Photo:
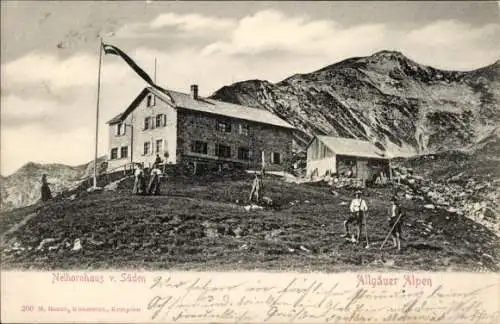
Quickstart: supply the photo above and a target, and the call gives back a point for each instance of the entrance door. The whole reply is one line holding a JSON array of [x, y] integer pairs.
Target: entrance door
[[362, 169]]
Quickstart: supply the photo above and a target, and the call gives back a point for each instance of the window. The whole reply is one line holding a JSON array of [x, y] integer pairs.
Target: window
[[224, 126], [124, 152], [243, 129], [147, 123], [159, 146], [120, 129], [147, 148], [275, 158], [114, 153], [150, 101], [223, 151], [161, 120], [244, 154], [199, 147]]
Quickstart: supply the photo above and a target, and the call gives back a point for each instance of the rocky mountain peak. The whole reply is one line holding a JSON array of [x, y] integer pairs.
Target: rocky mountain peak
[[389, 55], [387, 98]]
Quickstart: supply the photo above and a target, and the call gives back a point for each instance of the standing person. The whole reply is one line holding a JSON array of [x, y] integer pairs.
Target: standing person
[[256, 188], [357, 209], [45, 189], [140, 181], [395, 219], [154, 182], [158, 160]]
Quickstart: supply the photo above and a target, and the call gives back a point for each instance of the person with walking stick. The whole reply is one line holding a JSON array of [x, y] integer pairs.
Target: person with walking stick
[[395, 219], [256, 189]]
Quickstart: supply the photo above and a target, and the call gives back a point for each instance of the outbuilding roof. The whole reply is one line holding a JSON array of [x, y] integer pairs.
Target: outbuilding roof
[[206, 105], [352, 147]]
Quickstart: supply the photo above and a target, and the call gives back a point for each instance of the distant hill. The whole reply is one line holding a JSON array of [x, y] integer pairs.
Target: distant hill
[[407, 107], [22, 188]]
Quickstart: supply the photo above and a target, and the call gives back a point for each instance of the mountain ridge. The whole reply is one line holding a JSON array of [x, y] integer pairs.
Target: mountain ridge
[[22, 188], [386, 98]]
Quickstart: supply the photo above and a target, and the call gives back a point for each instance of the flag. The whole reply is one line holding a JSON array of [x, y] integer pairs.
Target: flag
[[113, 50]]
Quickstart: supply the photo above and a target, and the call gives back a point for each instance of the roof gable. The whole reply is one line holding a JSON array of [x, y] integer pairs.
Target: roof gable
[[211, 106], [351, 147], [206, 105], [121, 117]]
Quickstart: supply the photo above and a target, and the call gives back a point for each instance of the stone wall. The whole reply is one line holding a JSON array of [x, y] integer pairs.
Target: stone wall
[[195, 126]]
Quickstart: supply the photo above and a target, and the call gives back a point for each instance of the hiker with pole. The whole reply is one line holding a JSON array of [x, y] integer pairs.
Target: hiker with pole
[[256, 188], [395, 219], [357, 209]]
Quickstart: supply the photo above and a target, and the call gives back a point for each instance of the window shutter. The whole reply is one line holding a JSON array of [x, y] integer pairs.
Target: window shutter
[[164, 120]]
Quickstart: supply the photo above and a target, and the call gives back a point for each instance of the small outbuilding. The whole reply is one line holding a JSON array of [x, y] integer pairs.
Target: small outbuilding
[[345, 157]]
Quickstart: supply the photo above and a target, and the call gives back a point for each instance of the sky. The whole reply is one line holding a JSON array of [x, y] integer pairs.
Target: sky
[[50, 55]]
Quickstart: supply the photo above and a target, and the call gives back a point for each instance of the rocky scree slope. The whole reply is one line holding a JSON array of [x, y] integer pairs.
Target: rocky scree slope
[[386, 98], [460, 182]]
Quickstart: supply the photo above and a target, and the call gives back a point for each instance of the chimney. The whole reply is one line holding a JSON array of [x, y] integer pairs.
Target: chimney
[[194, 91]]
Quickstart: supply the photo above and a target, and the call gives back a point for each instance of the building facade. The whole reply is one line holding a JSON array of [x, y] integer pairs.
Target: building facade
[[187, 128], [327, 155]]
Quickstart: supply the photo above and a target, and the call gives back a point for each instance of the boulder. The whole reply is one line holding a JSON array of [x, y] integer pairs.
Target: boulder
[[268, 201], [45, 242], [253, 207], [77, 246]]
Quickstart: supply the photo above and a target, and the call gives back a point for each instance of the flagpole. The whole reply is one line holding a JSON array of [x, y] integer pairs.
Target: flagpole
[[97, 113], [155, 71]]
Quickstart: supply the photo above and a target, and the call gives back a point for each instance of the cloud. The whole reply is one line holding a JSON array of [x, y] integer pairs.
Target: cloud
[[17, 110], [271, 30], [30, 143], [185, 25], [450, 33], [443, 44], [57, 73], [452, 45], [191, 22]]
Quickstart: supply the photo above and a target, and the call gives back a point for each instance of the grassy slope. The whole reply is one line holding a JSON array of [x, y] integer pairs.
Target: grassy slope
[[170, 231]]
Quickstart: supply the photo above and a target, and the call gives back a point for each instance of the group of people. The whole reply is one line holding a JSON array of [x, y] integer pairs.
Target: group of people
[[357, 217], [358, 208], [153, 188]]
